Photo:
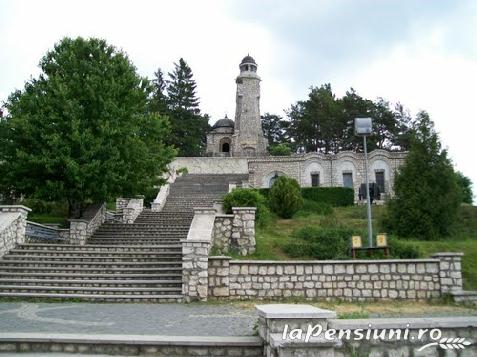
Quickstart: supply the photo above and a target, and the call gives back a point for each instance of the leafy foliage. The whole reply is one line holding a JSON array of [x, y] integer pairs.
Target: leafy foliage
[[81, 131], [244, 197], [335, 196], [285, 197], [427, 196], [320, 243], [280, 150], [312, 207], [465, 186], [325, 123], [275, 129]]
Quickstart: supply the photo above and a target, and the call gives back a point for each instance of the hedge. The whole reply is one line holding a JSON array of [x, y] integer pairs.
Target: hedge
[[334, 196]]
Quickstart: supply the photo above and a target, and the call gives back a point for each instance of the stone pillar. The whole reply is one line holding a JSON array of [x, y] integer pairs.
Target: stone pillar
[[219, 270], [275, 321], [243, 230], [195, 255], [12, 230], [78, 231], [222, 232], [450, 271]]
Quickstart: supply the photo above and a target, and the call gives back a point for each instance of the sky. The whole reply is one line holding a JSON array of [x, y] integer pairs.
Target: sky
[[420, 53]]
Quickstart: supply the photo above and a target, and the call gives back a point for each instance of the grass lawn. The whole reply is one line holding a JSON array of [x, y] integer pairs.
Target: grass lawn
[[362, 310], [272, 238]]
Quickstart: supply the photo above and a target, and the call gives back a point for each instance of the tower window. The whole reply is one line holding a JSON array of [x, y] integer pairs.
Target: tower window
[[225, 147]]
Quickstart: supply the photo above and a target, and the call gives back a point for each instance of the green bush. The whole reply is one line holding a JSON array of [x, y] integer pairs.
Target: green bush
[[403, 250], [320, 243], [285, 197], [244, 197], [280, 150], [335, 196], [313, 207]]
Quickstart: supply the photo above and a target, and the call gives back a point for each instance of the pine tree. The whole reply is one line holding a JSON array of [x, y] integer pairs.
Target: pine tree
[[427, 196], [189, 126], [158, 101]]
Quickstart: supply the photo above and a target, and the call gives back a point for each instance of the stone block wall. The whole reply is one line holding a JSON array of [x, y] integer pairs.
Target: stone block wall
[[12, 226], [222, 232], [218, 276], [83, 228], [235, 231], [450, 267], [347, 279]]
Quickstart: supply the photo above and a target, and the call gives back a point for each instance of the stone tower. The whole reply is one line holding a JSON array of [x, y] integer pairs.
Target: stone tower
[[248, 139]]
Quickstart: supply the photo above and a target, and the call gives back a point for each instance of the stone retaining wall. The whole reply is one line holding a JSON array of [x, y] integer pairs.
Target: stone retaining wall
[[345, 279]]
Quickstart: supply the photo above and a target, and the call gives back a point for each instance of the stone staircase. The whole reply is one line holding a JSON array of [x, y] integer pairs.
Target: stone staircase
[[120, 262]]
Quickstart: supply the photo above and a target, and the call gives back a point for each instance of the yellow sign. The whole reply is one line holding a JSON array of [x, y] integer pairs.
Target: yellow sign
[[356, 241], [381, 240]]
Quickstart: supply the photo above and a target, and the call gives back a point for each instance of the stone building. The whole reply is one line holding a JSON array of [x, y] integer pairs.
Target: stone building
[[244, 137], [239, 147]]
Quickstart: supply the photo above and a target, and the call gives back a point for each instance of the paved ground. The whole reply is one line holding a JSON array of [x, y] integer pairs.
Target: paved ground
[[139, 319]]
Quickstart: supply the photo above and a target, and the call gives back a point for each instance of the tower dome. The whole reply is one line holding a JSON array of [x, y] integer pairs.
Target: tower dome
[[248, 64]]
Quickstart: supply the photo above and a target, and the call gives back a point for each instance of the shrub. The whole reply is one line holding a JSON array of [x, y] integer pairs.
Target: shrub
[[320, 243], [313, 207], [244, 197], [285, 197], [335, 196], [280, 150], [403, 250]]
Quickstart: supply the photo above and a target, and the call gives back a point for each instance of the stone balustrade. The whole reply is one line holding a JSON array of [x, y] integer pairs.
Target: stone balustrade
[[13, 220], [83, 228]]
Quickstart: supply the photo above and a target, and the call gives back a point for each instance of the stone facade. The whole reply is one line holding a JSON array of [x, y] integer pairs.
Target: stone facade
[[13, 220], [83, 228], [329, 168], [222, 232], [355, 280], [244, 137]]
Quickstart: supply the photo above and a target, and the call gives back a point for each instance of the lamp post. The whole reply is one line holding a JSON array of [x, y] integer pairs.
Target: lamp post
[[363, 127]]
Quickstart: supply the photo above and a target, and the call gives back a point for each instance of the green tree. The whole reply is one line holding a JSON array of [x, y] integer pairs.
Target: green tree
[[426, 193], [80, 132], [158, 102], [285, 197], [275, 128], [280, 150], [189, 126], [465, 186]]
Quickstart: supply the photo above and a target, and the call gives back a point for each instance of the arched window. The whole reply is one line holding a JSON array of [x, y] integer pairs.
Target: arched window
[[225, 147]]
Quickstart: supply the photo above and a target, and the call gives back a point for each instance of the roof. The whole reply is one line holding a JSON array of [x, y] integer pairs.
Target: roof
[[224, 123], [248, 59]]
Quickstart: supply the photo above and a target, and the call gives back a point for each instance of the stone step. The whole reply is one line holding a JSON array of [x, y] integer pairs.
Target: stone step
[[91, 289], [96, 270], [95, 254], [163, 247], [102, 297], [73, 258], [92, 282], [87, 276], [91, 264]]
